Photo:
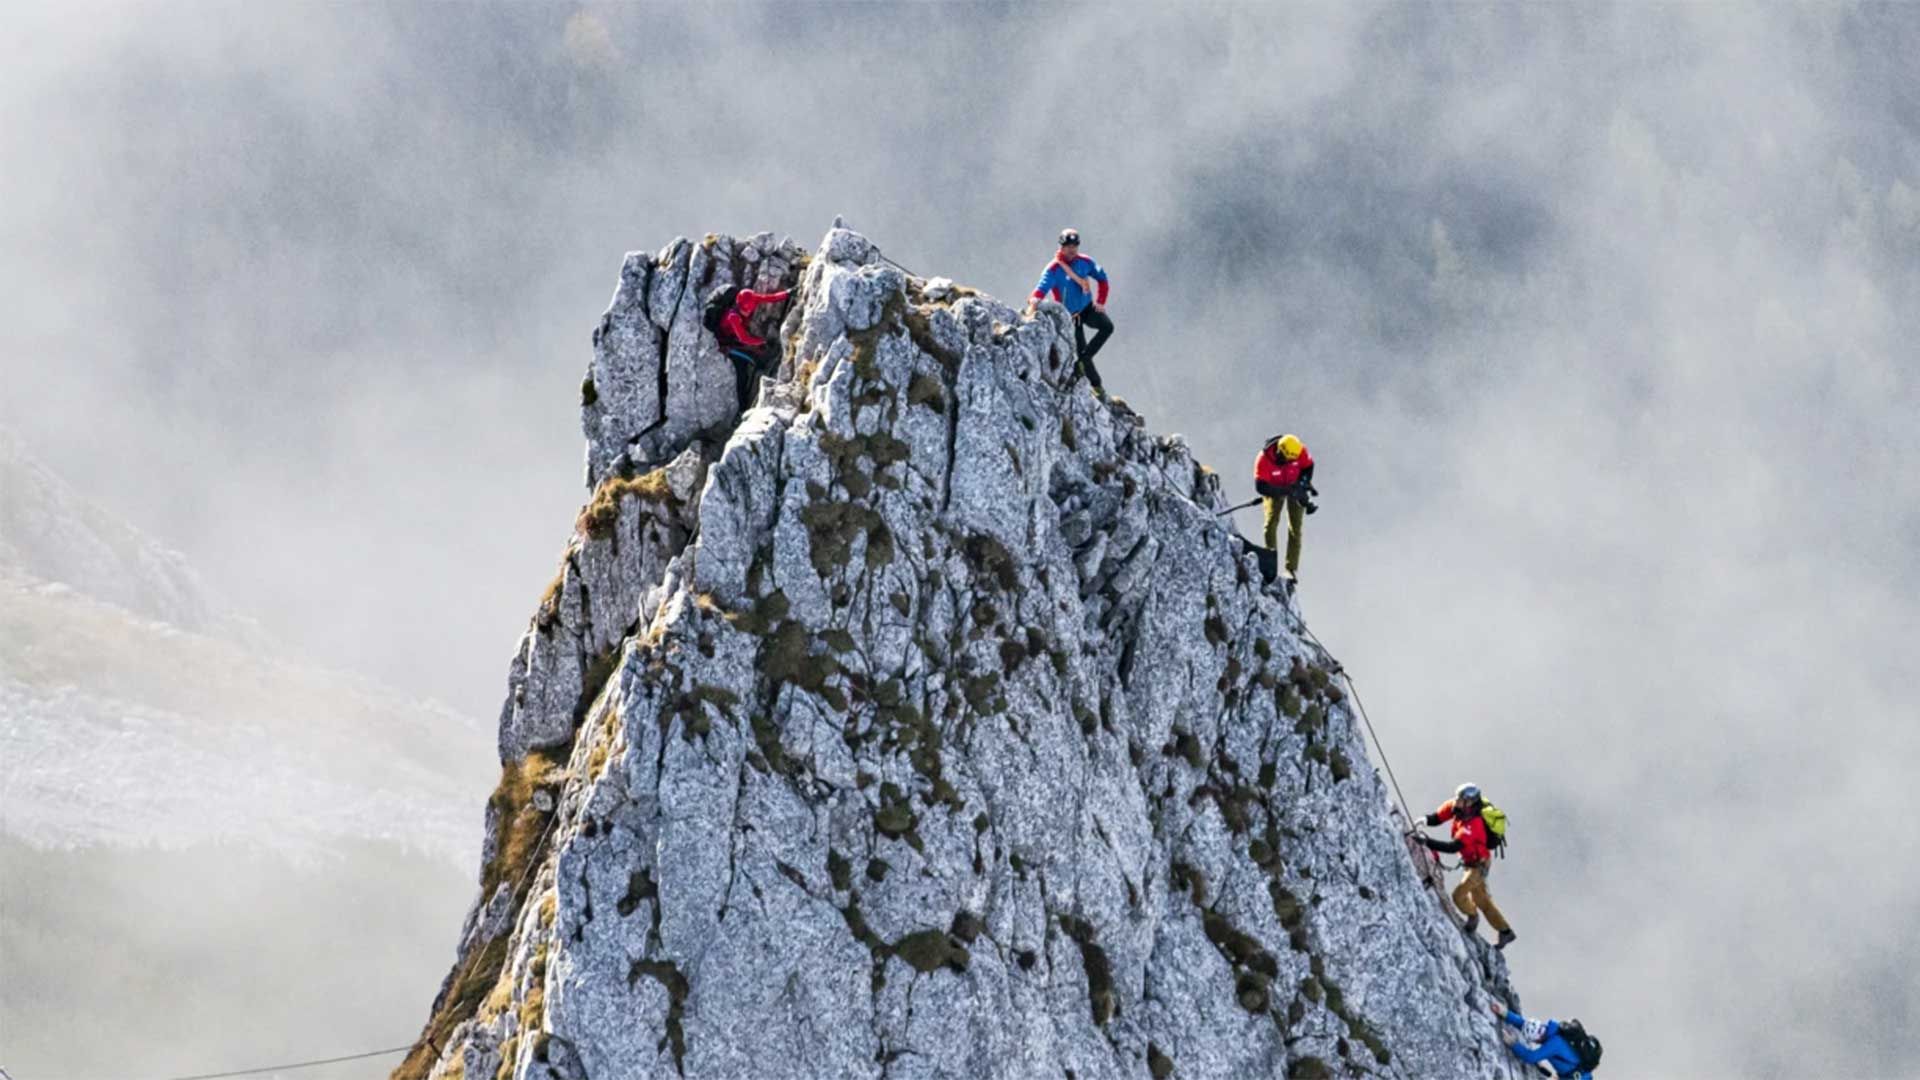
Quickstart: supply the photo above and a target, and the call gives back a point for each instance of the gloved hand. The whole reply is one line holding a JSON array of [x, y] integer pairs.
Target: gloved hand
[[1268, 490]]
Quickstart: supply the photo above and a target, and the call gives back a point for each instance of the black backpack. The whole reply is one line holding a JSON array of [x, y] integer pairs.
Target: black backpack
[[717, 307], [1584, 1046]]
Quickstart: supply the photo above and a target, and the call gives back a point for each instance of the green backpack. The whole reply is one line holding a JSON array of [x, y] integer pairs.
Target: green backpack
[[1496, 820]]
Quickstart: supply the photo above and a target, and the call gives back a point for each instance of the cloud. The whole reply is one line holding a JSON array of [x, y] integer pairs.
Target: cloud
[[1595, 316]]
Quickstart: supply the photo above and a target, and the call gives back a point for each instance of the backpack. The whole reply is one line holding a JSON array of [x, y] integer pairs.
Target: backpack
[[717, 307], [1496, 820], [1585, 1047]]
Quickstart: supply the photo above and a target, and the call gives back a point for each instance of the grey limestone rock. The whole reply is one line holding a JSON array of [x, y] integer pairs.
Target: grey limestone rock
[[926, 722]]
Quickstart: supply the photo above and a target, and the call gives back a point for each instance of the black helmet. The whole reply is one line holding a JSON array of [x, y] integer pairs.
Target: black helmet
[[1069, 236]]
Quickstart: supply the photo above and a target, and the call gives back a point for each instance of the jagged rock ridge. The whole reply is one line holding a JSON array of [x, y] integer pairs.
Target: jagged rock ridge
[[925, 723]]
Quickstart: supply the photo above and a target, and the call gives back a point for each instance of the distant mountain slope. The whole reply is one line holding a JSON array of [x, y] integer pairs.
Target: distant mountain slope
[[193, 826], [51, 532], [123, 730]]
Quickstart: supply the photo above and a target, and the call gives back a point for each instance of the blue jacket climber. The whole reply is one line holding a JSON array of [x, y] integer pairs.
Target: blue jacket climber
[[1065, 286], [1069, 277], [1540, 1043]]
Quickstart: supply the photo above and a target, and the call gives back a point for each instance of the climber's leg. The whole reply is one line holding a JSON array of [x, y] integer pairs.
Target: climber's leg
[[1476, 880], [1463, 897], [1296, 517], [1103, 325], [746, 373], [1085, 351]]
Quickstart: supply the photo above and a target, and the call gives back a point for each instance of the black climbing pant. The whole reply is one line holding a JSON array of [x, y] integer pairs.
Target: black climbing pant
[[1103, 329], [747, 369]]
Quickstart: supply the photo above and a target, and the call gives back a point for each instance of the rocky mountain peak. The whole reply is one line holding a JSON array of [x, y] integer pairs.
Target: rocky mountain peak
[[924, 721]]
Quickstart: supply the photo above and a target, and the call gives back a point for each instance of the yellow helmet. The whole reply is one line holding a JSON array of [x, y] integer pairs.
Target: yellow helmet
[[1290, 446]]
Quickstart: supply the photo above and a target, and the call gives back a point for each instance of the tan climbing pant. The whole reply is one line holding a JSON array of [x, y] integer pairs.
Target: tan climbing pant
[[1471, 895], [1270, 529]]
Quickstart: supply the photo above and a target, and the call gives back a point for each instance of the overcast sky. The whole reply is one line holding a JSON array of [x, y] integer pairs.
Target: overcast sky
[[1599, 320]]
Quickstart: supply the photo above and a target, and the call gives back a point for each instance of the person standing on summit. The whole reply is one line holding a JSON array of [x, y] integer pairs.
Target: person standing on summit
[[1069, 278]]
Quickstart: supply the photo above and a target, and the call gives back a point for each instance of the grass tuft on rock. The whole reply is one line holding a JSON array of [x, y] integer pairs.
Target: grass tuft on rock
[[602, 512]]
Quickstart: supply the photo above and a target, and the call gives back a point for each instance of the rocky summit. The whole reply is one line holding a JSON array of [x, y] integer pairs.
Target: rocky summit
[[924, 721]]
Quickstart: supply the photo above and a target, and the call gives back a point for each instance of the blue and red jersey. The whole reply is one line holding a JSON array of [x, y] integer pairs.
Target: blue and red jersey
[[1057, 281]]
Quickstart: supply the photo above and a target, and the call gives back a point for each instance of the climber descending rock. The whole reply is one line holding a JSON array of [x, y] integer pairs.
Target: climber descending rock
[[1478, 828], [1283, 475], [727, 314], [1557, 1048], [1069, 277]]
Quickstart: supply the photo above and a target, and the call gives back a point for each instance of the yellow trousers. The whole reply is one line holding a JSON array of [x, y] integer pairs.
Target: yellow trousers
[[1471, 896], [1270, 529]]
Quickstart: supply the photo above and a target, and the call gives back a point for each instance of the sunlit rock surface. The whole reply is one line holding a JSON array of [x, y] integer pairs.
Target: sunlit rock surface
[[926, 723]]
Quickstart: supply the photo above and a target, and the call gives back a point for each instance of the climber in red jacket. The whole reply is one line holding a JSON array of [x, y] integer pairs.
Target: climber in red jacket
[[733, 332], [727, 315], [1470, 840], [1283, 473]]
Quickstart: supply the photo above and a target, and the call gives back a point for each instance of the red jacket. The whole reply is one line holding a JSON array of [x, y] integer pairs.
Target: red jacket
[[733, 325], [1270, 469], [1470, 832]]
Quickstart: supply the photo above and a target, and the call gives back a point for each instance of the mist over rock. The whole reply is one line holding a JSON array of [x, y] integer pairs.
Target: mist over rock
[[928, 722]]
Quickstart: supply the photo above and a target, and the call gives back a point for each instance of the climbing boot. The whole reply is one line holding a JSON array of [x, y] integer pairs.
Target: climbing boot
[[1506, 939], [1473, 923]]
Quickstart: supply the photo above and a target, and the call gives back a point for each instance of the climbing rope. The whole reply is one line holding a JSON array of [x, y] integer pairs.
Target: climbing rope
[[519, 884], [1374, 735], [1507, 1060], [890, 262], [282, 1067], [295, 1064]]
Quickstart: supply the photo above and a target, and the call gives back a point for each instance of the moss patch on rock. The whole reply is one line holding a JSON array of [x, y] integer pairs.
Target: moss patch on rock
[[1100, 996]]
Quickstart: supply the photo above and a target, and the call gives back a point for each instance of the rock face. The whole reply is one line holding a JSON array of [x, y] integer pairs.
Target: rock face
[[928, 722]]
